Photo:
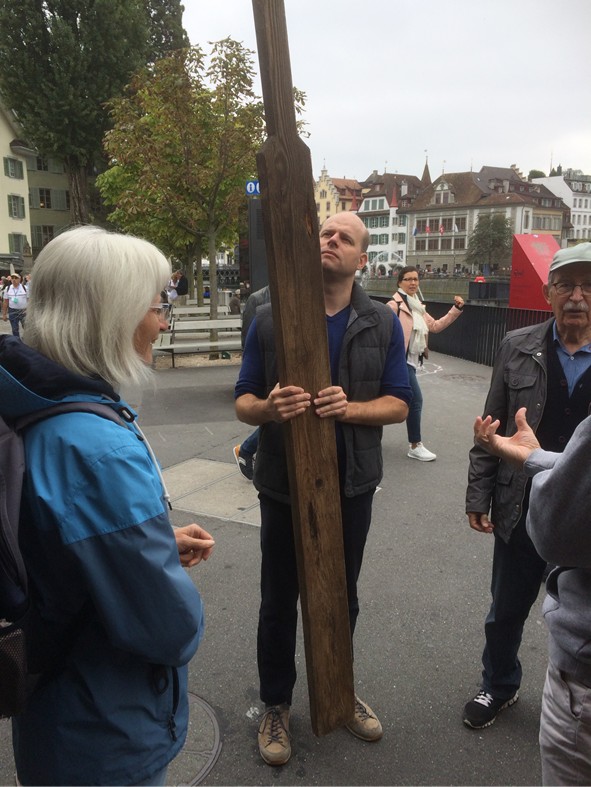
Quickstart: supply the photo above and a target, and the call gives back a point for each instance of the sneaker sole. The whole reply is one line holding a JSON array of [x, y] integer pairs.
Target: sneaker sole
[[508, 704], [365, 737], [274, 762], [419, 459], [241, 466]]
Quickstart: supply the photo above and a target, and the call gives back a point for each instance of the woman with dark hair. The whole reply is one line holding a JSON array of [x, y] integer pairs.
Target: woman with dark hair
[[417, 323]]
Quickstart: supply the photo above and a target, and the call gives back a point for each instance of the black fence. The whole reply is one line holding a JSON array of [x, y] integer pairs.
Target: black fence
[[477, 334]]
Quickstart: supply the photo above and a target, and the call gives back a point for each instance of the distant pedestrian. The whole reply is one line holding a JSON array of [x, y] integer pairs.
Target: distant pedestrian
[[14, 303], [417, 323], [234, 303], [182, 288]]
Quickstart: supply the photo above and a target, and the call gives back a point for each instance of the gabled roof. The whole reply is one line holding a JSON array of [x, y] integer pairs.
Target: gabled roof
[[491, 186], [389, 185]]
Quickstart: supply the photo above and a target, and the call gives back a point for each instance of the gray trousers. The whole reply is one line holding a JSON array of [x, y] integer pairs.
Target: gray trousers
[[565, 730]]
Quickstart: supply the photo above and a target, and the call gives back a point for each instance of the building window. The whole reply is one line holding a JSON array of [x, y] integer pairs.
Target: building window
[[459, 243], [445, 244], [42, 164], [421, 245], [381, 204], [373, 221], [460, 224], [45, 198], [526, 220], [401, 237], [323, 194], [433, 244], [16, 242], [373, 239], [402, 220], [13, 168], [384, 221], [41, 235], [328, 207], [16, 206], [384, 239]]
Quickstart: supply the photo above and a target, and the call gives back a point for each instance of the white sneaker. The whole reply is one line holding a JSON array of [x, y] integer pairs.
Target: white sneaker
[[421, 453]]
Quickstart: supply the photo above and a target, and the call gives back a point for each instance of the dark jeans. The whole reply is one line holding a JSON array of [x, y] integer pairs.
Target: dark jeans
[[516, 577], [15, 317], [413, 422], [250, 445], [276, 643]]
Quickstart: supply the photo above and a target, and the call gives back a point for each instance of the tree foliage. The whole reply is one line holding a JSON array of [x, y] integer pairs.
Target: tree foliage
[[536, 173], [490, 243], [166, 31], [183, 143], [62, 60]]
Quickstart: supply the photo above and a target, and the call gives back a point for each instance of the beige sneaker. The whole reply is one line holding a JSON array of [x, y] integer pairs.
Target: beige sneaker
[[365, 724], [274, 744]]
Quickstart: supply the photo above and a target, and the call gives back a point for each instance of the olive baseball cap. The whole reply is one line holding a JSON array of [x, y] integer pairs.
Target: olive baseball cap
[[579, 253]]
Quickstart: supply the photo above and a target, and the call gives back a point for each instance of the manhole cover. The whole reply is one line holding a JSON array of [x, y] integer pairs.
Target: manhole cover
[[202, 747]]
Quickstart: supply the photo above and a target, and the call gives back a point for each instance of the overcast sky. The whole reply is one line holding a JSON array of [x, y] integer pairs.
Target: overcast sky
[[472, 82]]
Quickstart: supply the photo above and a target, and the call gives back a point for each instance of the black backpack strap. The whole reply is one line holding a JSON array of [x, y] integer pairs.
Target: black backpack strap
[[121, 415]]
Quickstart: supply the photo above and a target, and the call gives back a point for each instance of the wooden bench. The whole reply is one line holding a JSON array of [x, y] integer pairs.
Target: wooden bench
[[198, 311], [195, 336]]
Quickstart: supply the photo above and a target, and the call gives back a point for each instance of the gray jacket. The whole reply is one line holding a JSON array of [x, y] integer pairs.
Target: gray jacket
[[363, 354], [559, 524], [519, 379]]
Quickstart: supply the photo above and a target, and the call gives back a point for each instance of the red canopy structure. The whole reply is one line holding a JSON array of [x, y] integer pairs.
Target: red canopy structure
[[532, 255]]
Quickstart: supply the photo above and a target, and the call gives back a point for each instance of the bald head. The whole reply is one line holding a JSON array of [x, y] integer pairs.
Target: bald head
[[351, 223]]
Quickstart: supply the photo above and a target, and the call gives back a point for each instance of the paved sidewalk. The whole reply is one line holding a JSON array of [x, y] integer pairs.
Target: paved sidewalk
[[424, 592]]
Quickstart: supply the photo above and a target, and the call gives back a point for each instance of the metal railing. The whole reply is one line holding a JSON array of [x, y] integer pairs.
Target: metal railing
[[477, 334]]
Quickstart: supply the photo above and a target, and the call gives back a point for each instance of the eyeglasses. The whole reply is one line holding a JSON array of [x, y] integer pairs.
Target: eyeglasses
[[567, 287], [162, 310], [409, 279]]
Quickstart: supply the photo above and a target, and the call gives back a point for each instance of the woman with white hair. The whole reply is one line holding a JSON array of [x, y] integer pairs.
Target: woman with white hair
[[114, 618]]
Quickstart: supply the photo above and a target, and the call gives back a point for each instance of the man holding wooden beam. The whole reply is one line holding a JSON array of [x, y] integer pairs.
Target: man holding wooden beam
[[369, 389]]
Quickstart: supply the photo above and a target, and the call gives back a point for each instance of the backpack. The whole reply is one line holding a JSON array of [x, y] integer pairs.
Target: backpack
[[15, 680]]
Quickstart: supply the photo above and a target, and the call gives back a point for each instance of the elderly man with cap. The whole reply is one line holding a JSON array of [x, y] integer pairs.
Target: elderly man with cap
[[545, 368], [14, 303]]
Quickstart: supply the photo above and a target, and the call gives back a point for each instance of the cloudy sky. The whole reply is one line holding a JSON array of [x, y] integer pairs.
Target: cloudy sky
[[472, 82]]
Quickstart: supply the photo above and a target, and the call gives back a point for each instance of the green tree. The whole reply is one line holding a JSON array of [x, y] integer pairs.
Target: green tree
[[166, 32], [491, 241], [536, 173], [59, 63], [182, 145]]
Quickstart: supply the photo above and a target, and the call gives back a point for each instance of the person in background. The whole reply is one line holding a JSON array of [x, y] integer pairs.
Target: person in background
[[14, 303], [114, 617], [545, 368], [558, 525], [234, 303], [417, 323], [245, 453], [369, 389], [182, 288]]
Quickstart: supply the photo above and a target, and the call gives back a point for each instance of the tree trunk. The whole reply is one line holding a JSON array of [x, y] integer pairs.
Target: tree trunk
[[78, 183]]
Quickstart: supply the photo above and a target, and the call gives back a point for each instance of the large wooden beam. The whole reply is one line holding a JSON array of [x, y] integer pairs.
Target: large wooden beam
[[295, 278]]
